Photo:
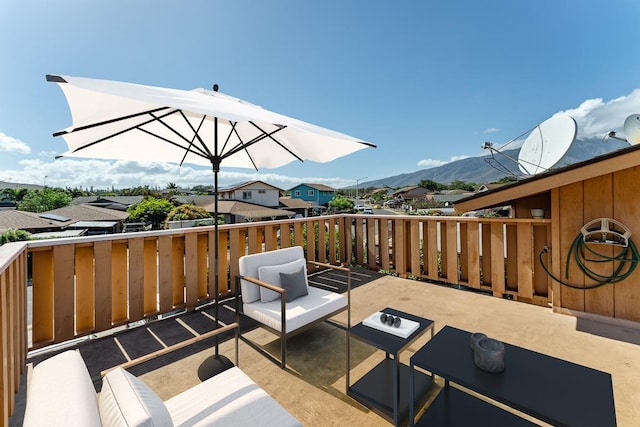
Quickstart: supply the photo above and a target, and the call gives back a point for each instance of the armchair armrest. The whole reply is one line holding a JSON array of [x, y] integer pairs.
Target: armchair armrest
[[261, 283]]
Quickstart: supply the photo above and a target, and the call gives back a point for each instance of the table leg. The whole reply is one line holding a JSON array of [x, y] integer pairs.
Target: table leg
[[348, 363], [412, 391], [396, 392]]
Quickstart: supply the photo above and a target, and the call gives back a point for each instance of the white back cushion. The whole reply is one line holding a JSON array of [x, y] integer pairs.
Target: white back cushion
[[249, 264], [128, 402], [271, 274], [60, 393]]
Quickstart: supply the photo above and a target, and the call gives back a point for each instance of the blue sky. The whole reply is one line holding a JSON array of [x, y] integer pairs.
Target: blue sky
[[426, 81]]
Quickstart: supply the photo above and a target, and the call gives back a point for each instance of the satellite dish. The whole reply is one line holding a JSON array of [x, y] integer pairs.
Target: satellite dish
[[632, 128], [547, 144]]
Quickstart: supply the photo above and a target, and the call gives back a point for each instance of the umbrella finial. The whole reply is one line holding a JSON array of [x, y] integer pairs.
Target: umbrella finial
[[215, 87]]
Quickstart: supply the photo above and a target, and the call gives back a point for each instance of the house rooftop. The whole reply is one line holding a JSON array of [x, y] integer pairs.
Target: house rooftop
[[320, 187]]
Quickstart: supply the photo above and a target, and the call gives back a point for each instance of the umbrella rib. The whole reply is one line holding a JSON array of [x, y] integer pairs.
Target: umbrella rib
[[113, 134], [196, 135], [269, 135], [201, 150], [118, 119], [238, 147], [187, 149]]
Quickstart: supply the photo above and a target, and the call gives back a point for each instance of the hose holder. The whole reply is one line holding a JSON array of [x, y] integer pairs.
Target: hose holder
[[606, 231]]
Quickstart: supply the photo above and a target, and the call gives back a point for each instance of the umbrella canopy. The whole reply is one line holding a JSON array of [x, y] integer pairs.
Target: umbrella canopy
[[124, 121]]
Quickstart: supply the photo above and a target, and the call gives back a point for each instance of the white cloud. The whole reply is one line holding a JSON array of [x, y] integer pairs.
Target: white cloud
[[10, 144], [104, 174], [432, 163], [491, 130], [595, 117]]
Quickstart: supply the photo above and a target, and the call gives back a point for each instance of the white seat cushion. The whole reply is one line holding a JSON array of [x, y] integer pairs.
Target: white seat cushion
[[231, 399], [128, 402], [299, 312], [60, 393]]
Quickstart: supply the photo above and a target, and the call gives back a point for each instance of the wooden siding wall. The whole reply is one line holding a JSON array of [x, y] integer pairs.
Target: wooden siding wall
[[609, 196]]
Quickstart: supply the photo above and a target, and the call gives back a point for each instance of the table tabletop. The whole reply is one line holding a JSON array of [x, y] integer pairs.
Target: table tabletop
[[551, 389], [388, 342]]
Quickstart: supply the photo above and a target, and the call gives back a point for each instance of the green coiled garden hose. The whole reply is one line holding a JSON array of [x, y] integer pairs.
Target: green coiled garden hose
[[627, 257]]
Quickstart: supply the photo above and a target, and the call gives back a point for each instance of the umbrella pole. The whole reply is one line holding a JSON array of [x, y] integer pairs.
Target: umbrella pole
[[215, 364]]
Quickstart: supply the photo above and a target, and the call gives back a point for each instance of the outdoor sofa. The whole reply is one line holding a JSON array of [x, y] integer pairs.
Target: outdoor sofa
[[60, 393]]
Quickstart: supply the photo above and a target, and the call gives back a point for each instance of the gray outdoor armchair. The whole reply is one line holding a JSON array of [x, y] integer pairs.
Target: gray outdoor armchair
[[276, 294]]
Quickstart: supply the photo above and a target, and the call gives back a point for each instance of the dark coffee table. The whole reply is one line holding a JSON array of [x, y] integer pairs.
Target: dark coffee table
[[384, 388], [547, 388]]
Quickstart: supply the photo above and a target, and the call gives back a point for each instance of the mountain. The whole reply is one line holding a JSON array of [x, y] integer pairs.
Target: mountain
[[487, 169]]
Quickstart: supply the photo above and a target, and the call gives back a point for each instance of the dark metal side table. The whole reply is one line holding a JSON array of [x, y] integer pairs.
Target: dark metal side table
[[385, 388]]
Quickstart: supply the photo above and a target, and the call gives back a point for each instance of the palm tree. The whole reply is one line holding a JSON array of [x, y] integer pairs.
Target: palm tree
[[14, 194]]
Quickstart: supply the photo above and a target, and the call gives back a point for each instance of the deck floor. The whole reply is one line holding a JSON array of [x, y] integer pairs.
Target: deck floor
[[312, 387]]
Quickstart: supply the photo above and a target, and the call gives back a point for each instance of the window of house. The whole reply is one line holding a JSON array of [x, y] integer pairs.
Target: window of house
[[246, 195], [310, 193], [297, 193], [262, 191]]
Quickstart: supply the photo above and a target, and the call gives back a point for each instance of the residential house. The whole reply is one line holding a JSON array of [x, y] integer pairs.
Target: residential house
[[449, 197], [317, 194], [299, 206], [487, 187], [94, 219], [235, 212], [31, 221], [256, 192], [121, 203], [407, 194], [245, 202]]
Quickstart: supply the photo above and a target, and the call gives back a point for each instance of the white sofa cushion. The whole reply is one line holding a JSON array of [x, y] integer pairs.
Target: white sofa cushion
[[249, 265], [60, 393], [128, 402], [299, 312], [231, 399], [271, 275]]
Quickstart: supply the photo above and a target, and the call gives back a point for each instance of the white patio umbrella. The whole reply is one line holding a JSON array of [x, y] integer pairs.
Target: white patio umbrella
[[125, 121]]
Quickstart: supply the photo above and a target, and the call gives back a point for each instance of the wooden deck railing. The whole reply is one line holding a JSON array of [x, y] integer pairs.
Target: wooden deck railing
[[13, 324], [86, 285]]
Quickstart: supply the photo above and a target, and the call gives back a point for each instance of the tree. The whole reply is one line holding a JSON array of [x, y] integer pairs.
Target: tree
[[341, 204], [506, 180], [186, 212], [140, 191], [14, 236], [202, 189], [431, 185], [14, 194], [461, 185], [151, 210], [44, 200]]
